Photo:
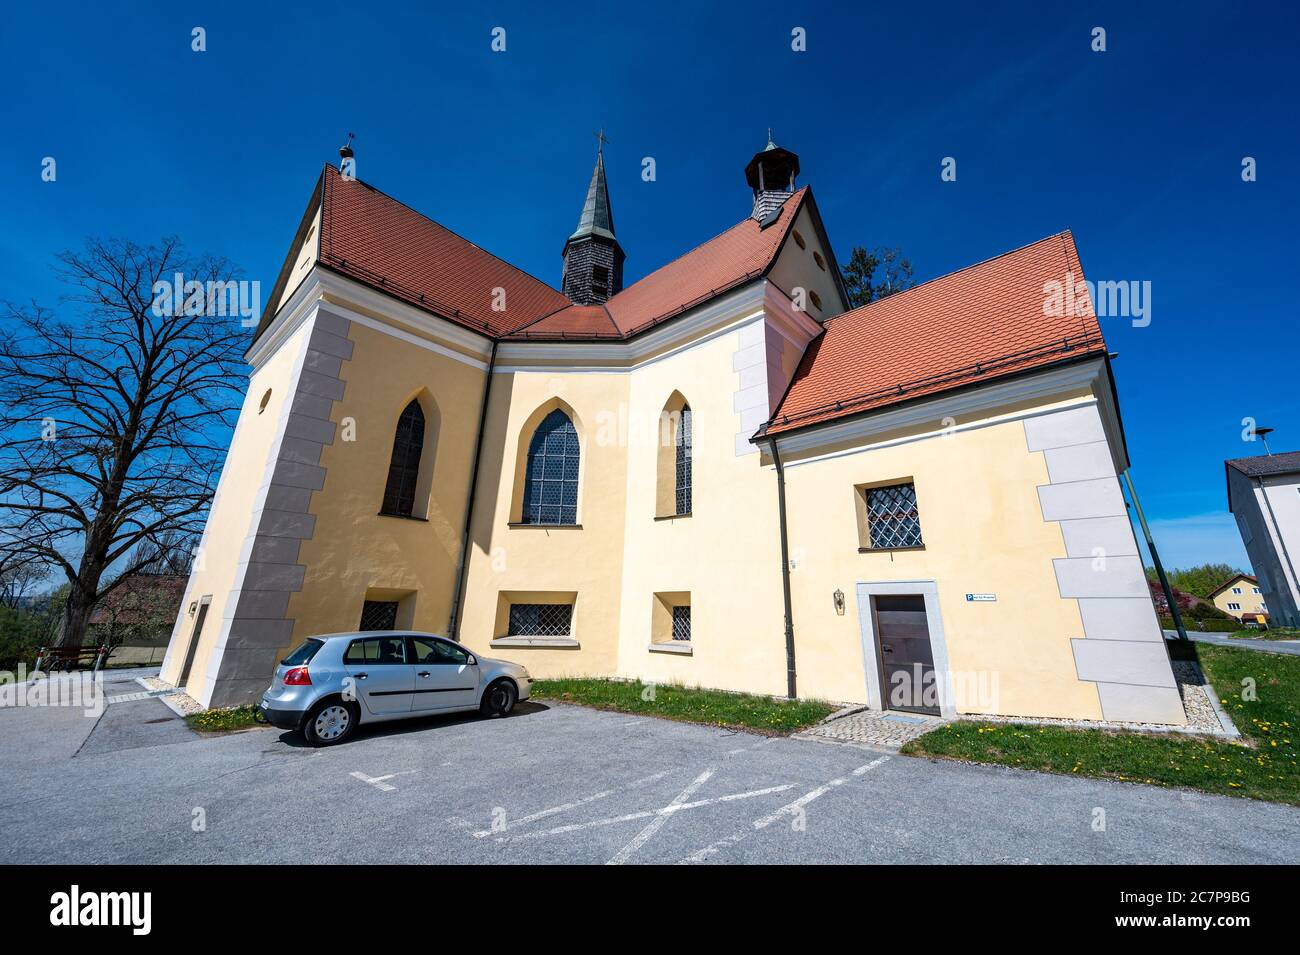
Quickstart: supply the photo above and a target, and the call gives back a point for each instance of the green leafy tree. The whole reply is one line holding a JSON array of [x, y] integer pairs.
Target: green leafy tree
[[869, 276], [1201, 580]]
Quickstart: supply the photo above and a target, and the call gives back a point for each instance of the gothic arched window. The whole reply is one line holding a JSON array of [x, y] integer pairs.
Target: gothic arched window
[[404, 469], [683, 489], [551, 480]]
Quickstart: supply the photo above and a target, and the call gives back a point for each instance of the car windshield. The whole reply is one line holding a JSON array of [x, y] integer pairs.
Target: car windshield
[[303, 653]]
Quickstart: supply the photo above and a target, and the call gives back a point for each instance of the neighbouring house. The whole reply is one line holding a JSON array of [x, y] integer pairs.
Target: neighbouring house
[[718, 475], [1264, 496], [1240, 596], [138, 615]]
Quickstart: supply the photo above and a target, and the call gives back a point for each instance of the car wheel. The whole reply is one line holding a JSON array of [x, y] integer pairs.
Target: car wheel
[[499, 698], [329, 722]]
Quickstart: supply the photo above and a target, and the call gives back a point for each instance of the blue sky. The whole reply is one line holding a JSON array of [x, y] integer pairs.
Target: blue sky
[[1138, 150]]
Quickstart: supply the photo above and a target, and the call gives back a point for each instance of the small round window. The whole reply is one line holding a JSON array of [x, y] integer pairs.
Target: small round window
[[266, 400]]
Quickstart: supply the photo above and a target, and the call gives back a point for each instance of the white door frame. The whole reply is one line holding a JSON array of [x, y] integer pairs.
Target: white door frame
[[934, 621]]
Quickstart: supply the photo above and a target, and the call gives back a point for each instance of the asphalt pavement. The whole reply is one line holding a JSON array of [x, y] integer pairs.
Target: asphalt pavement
[[563, 784]]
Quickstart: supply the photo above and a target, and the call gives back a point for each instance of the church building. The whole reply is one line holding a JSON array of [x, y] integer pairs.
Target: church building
[[721, 475]]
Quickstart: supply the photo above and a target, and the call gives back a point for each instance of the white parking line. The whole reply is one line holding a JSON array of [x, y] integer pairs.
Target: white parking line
[[379, 781], [786, 810], [543, 813], [644, 814], [657, 822]]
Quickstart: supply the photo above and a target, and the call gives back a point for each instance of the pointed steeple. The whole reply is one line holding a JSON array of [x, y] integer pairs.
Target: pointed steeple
[[597, 217], [593, 258]]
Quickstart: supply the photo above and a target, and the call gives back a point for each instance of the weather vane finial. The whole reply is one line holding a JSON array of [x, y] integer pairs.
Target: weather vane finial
[[345, 151]]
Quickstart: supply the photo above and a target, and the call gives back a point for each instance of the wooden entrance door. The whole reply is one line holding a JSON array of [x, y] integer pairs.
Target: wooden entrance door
[[906, 659], [194, 643]]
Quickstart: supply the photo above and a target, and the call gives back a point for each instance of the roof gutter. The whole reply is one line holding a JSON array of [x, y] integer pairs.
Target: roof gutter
[[462, 561], [790, 688]]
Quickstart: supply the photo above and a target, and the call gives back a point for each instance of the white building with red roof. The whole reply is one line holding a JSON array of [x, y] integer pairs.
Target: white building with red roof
[[1264, 497], [719, 475]]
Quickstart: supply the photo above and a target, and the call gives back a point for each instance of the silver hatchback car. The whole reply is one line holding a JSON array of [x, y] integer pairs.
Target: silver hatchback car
[[330, 684]]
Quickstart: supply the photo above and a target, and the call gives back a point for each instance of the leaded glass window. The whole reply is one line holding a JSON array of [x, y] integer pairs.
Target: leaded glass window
[[682, 623], [684, 449], [551, 480], [540, 620], [892, 517], [404, 468]]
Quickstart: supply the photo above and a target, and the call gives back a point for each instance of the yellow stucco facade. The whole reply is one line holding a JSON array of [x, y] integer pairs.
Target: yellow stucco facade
[[1033, 593]]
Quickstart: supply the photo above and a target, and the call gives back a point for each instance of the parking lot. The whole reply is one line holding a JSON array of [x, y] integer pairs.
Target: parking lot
[[563, 784]]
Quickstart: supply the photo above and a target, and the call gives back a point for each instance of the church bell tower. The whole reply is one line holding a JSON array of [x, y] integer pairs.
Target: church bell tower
[[771, 174], [593, 259]]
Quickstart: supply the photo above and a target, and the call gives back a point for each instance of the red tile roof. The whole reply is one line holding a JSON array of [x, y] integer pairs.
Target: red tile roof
[[1263, 465], [376, 240], [743, 252], [143, 598], [1230, 581], [980, 323]]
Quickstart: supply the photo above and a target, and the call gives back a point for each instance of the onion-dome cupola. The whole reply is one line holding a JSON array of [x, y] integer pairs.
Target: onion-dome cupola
[[593, 259], [771, 174]]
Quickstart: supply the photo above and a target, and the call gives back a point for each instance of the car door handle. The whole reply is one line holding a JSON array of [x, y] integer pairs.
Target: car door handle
[[423, 673], [361, 676]]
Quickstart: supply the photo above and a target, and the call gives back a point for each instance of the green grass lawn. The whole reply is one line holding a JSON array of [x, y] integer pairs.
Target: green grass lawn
[[1272, 633], [1268, 768], [760, 714], [223, 720]]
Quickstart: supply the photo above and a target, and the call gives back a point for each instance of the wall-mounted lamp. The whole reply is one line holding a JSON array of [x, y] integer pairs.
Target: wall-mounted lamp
[[194, 605], [839, 601]]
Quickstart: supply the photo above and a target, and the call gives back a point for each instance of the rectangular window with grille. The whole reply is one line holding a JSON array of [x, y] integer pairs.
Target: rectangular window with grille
[[891, 516], [682, 623], [540, 620], [379, 615]]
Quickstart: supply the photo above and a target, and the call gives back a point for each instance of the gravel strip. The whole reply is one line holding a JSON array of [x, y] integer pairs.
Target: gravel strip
[[178, 700]]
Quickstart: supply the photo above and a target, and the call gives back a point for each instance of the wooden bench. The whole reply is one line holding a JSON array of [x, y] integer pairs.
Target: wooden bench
[[72, 658]]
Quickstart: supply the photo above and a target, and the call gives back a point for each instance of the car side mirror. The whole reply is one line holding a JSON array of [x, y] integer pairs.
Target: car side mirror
[[473, 660]]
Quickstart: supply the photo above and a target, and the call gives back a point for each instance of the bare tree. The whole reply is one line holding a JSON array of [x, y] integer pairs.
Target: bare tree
[[170, 553], [19, 579], [114, 421]]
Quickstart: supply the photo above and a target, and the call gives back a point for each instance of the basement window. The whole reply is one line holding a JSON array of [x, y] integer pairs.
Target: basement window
[[682, 623], [540, 620], [378, 615], [670, 623]]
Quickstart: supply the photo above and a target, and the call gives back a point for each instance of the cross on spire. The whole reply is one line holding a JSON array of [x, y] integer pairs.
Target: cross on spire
[[600, 139]]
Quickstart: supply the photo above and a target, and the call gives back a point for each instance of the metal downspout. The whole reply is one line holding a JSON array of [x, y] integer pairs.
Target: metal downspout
[[462, 563], [790, 688], [1155, 558]]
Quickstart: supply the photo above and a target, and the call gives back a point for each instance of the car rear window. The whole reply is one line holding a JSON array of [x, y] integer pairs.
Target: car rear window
[[303, 653]]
